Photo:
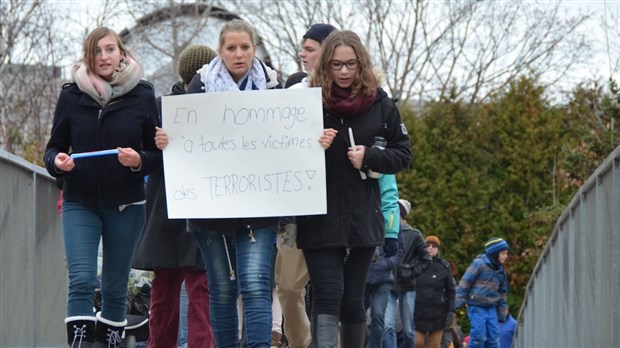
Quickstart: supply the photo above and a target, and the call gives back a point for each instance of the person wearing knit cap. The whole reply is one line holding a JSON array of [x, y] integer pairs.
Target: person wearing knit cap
[[414, 248], [494, 246], [404, 206], [309, 54], [484, 289], [434, 307], [191, 59], [170, 252], [291, 272]]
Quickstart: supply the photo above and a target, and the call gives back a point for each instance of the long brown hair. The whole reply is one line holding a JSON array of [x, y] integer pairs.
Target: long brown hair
[[90, 46], [364, 80]]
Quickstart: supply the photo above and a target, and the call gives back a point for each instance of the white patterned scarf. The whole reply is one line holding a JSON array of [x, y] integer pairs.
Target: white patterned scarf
[[126, 77], [216, 77]]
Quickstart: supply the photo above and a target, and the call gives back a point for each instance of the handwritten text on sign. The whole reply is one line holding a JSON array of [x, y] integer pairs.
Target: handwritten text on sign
[[244, 154]]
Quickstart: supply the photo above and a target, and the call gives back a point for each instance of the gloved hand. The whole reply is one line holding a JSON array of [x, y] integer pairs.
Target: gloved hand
[[450, 319], [390, 247]]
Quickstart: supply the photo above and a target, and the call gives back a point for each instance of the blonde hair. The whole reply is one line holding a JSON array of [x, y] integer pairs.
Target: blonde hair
[[89, 50], [237, 25], [364, 81]]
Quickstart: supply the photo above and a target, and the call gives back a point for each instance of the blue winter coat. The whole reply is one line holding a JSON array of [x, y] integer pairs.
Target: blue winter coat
[[484, 284]]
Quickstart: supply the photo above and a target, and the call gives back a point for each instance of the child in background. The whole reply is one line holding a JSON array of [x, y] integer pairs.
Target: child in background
[[483, 289]]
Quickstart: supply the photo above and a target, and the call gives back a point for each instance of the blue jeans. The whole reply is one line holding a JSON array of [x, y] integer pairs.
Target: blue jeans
[[183, 302], [119, 231], [378, 298], [389, 332], [252, 264], [407, 310]]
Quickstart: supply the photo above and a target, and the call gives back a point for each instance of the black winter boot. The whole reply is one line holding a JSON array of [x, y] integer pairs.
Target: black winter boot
[[80, 331], [324, 331], [108, 333], [352, 335]]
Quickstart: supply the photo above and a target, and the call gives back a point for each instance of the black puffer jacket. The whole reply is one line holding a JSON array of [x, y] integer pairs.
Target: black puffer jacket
[[164, 242], [434, 296], [354, 217], [80, 124]]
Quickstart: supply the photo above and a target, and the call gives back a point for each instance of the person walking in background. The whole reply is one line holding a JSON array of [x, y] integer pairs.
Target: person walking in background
[[338, 246], [379, 292], [416, 254], [310, 52], [484, 288], [106, 107], [167, 249], [290, 269], [434, 308]]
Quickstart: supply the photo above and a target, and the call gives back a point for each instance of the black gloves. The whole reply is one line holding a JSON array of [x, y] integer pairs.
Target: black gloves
[[390, 247]]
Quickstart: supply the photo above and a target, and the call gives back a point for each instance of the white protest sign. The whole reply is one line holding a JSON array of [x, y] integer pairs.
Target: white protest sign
[[244, 154]]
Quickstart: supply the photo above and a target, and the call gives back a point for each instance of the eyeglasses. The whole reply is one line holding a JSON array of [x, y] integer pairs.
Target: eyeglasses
[[350, 64], [433, 245]]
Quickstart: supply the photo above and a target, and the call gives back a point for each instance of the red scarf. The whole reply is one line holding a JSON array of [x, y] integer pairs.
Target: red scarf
[[343, 106]]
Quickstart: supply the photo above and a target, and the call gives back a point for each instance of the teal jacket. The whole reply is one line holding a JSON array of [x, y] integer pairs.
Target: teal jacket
[[389, 205]]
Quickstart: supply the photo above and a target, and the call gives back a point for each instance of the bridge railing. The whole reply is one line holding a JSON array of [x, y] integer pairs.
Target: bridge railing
[[573, 296], [33, 292]]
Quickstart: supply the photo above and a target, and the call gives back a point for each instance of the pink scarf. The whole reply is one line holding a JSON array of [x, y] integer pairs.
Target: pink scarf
[[126, 77]]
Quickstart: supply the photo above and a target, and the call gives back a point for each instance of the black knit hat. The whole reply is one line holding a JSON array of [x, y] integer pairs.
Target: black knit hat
[[318, 32], [192, 59]]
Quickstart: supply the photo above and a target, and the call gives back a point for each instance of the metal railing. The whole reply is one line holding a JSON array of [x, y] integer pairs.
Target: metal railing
[[572, 299], [33, 292], [573, 295]]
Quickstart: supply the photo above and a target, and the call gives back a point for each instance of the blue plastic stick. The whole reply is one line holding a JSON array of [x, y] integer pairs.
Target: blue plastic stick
[[94, 153]]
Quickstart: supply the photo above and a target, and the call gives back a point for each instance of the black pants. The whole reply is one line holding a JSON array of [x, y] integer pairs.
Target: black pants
[[338, 279]]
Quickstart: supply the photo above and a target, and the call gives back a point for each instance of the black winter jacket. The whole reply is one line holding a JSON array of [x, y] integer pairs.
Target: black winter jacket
[[435, 290], [413, 241], [82, 125], [164, 242], [354, 217]]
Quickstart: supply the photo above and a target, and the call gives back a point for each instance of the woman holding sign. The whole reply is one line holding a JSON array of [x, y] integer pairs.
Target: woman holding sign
[[237, 252], [371, 137], [106, 117]]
